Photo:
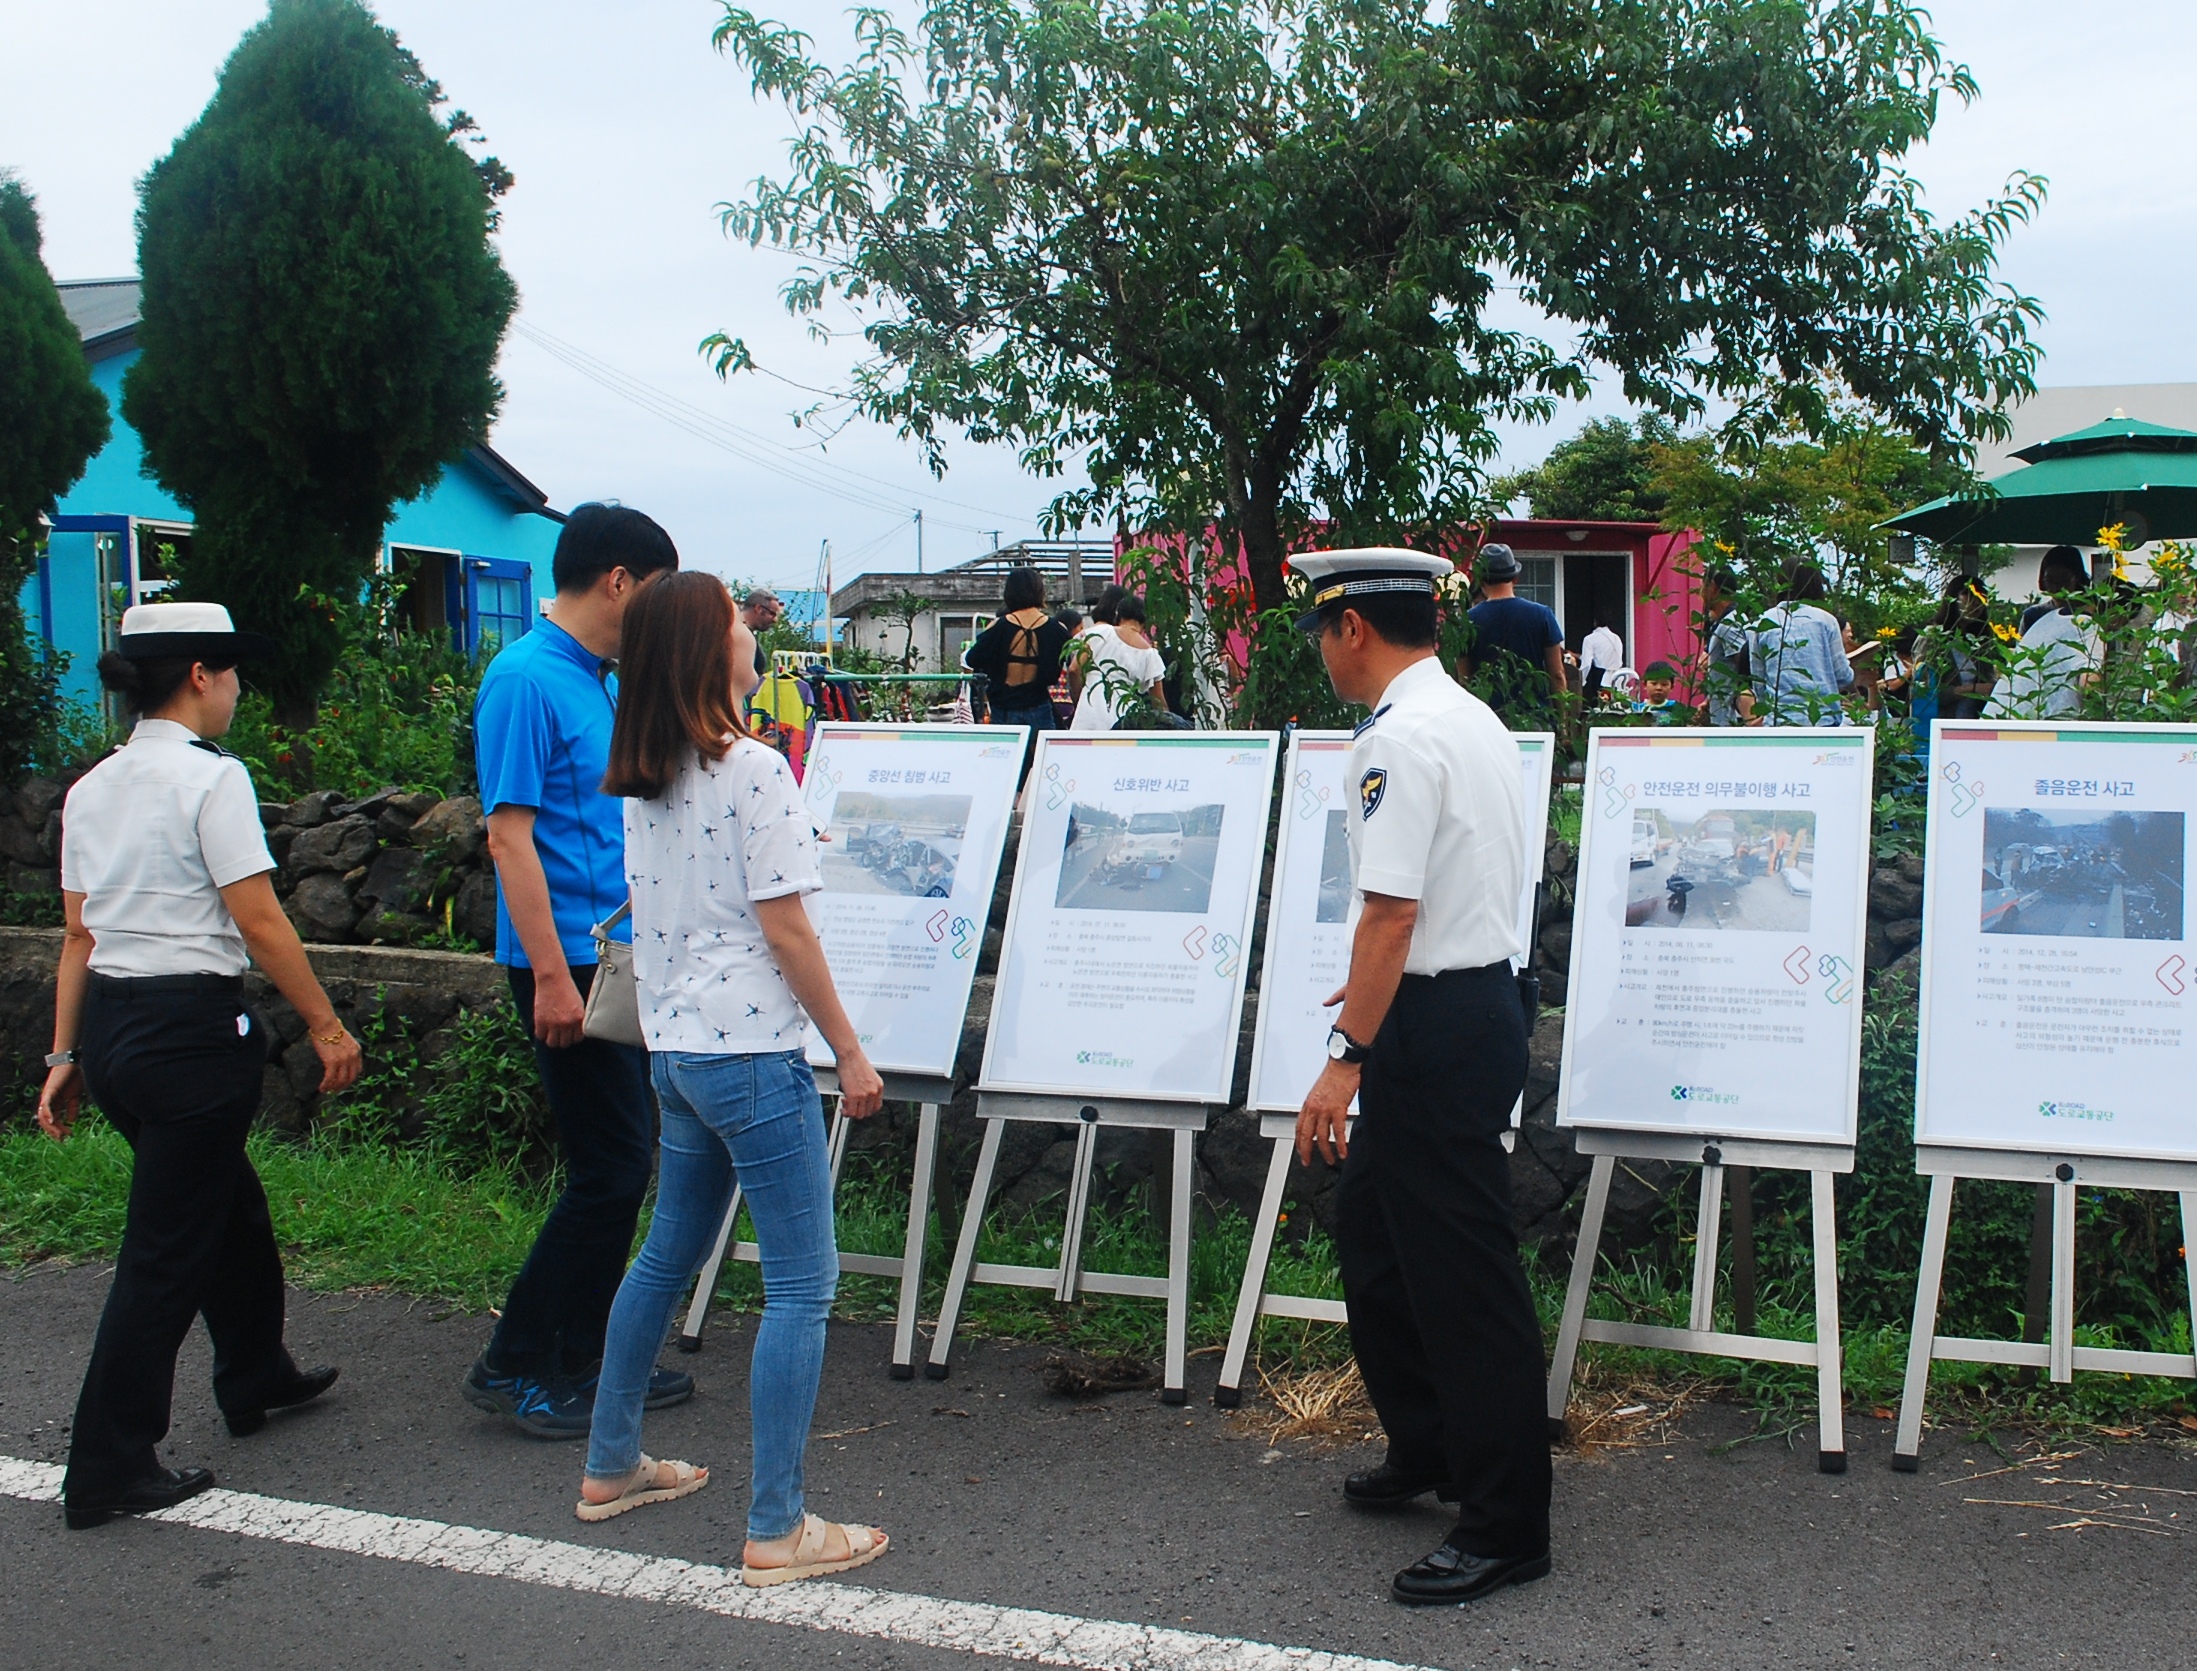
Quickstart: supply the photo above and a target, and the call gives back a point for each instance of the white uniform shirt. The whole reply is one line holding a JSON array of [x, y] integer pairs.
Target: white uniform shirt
[[150, 836], [1602, 648], [724, 834], [1440, 819]]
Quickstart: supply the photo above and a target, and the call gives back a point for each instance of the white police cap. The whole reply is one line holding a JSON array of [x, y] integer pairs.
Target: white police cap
[[1363, 571]]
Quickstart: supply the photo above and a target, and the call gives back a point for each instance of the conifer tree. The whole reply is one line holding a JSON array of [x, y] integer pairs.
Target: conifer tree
[[322, 313]]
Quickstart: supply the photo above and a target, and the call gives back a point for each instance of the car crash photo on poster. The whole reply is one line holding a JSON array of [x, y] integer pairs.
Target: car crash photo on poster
[[1309, 918], [2057, 989], [1717, 933], [1123, 965], [913, 820]]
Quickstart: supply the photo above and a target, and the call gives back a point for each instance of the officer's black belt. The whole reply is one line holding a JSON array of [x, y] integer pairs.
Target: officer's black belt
[[127, 987], [1481, 971]]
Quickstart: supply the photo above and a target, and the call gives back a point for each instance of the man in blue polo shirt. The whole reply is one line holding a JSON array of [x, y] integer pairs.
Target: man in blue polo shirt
[[541, 738]]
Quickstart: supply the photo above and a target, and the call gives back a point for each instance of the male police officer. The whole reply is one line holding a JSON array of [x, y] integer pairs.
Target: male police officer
[[1432, 1043]]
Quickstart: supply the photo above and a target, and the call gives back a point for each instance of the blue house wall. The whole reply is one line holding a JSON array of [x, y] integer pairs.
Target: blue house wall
[[485, 529]]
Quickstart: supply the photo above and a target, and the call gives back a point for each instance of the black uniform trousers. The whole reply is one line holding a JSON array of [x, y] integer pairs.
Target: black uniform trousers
[[605, 1114], [166, 1062], [1441, 1319]]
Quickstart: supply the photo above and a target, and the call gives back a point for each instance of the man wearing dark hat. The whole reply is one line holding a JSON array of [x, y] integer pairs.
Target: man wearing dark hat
[[166, 889], [1518, 643], [1431, 1043]]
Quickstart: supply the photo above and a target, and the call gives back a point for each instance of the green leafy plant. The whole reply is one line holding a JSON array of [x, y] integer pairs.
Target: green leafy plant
[[398, 709]]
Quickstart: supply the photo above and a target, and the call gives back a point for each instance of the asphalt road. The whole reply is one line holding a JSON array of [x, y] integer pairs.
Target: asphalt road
[[1761, 902], [1675, 1553], [1186, 886], [2083, 913]]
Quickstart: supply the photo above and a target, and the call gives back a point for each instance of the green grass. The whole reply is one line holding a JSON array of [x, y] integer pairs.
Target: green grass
[[358, 1214], [346, 1216]]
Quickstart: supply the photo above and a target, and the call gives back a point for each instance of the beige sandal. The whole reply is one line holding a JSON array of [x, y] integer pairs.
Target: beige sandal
[[864, 1545], [641, 1487]]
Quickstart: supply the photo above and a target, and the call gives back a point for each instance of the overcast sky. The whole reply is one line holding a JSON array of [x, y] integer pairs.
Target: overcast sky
[[625, 129]]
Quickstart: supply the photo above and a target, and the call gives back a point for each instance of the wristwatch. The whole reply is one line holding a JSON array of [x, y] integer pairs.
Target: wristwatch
[[1341, 1047], [62, 1059]]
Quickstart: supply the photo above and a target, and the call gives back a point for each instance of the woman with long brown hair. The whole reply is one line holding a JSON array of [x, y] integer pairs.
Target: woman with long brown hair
[[719, 852]]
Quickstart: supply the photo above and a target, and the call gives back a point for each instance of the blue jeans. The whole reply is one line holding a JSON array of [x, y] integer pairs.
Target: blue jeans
[[757, 1118]]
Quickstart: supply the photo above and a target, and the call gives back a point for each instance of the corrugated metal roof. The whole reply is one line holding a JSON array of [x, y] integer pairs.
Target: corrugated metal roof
[[99, 307]]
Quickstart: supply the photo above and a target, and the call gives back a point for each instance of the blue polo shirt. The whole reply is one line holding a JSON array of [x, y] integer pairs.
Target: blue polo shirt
[[541, 739]]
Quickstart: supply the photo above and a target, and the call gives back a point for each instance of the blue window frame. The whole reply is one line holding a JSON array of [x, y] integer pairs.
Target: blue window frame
[[499, 603]]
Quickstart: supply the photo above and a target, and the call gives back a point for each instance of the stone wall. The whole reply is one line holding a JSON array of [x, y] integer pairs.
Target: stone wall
[[381, 993], [391, 869], [387, 869]]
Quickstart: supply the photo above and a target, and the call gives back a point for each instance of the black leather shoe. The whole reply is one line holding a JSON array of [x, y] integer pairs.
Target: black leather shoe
[[1390, 1487], [163, 1488], [1449, 1577], [302, 1388]]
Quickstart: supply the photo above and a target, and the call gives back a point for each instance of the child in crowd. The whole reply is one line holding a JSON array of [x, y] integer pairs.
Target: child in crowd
[[1658, 682]]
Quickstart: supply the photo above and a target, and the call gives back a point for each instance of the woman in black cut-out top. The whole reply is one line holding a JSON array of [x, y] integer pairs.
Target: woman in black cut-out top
[[1019, 656]]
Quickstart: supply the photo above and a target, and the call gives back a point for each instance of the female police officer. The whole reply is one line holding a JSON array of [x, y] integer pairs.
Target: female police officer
[[166, 879], [1432, 1042]]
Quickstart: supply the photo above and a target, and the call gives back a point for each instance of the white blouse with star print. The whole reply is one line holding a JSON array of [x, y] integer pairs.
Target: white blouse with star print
[[725, 834]]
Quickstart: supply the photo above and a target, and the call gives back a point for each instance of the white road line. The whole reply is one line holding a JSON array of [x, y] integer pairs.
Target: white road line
[[1014, 1633]]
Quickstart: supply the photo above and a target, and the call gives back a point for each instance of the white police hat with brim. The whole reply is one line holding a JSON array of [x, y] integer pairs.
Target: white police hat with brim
[[1364, 571], [199, 631]]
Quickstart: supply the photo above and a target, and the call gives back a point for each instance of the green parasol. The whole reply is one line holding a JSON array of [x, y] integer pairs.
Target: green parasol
[[2143, 476]]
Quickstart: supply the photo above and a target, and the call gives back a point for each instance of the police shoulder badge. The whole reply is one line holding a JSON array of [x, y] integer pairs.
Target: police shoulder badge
[[1369, 790]]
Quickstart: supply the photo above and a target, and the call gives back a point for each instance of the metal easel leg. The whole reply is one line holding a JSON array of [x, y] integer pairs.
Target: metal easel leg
[[835, 1144], [911, 1252], [1229, 1394], [1708, 1231], [957, 1283], [1830, 1350], [1907, 1445], [2189, 1258], [1079, 1208], [705, 1285], [2063, 1281], [1172, 1390], [1575, 1295]]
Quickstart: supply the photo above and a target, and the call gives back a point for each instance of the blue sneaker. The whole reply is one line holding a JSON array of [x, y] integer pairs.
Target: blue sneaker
[[543, 1409], [666, 1387]]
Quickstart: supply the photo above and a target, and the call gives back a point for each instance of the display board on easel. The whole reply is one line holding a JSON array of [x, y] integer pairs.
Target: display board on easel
[[2059, 1001], [1306, 959], [912, 821], [1714, 1003], [1121, 977]]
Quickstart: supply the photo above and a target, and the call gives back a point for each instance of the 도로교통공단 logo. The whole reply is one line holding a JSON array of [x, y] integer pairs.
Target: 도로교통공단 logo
[[2072, 1111], [1702, 1093]]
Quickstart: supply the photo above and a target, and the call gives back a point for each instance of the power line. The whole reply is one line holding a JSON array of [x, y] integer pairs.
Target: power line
[[805, 468]]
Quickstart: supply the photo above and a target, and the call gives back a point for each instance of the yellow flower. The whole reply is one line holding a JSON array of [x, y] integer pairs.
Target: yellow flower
[[2004, 633], [2114, 537], [1888, 632]]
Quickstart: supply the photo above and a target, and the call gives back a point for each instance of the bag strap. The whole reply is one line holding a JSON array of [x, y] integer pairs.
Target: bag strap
[[601, 930]]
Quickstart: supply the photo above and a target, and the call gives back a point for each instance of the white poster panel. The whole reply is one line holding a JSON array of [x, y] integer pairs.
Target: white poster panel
[[1716, 957], [1122, 972], [914, 819], [2059, 1001], [1308, 916]]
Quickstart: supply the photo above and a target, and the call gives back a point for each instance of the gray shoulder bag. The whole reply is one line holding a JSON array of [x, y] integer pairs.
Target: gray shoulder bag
[[614, 1000]]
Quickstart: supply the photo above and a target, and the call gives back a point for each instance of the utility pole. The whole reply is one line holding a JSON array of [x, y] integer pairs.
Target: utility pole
[[995, 542], [918, 542], [827, 566]]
